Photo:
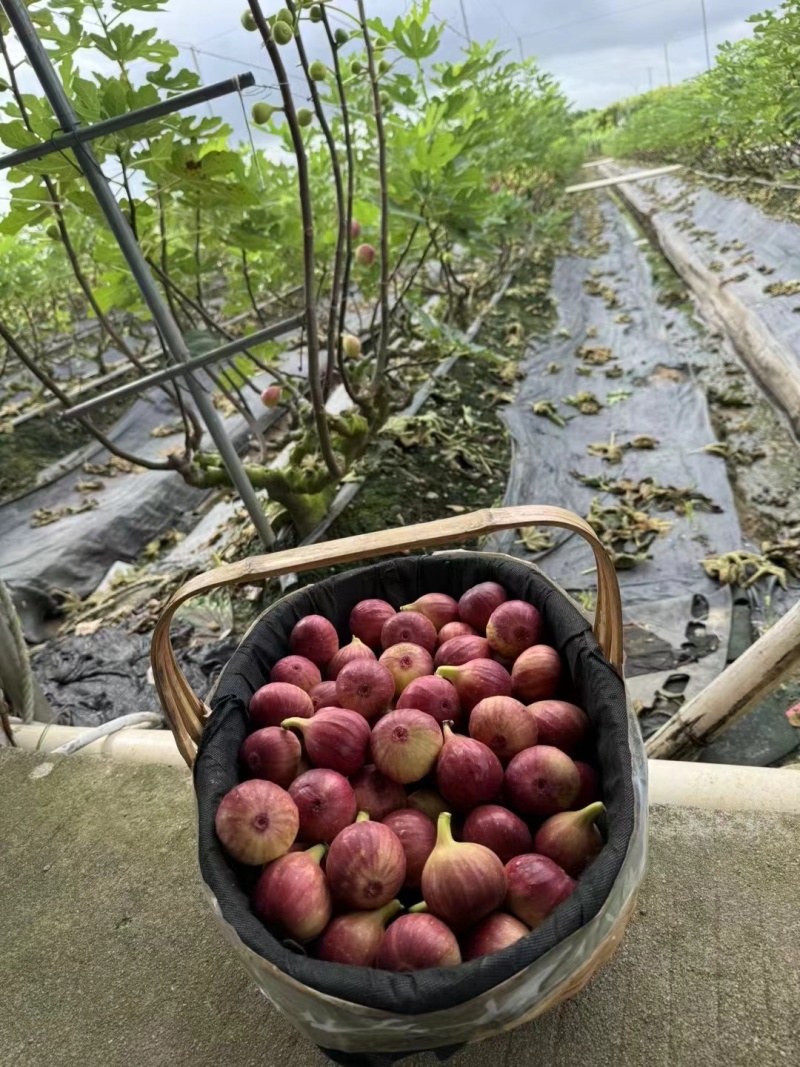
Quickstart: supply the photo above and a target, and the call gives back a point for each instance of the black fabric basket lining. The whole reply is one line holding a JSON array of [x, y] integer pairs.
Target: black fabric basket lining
[[591, 681]]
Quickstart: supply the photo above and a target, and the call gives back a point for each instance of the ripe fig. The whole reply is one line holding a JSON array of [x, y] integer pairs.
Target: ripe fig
[[435, 696], [561, 725], [536, 673], [271, 754], [405, 744], [503, 725], [460, 650], [323, 696], [477, 604], [356, 937], [292, 895], [455, 629], [428, 802], [461, 882], [439, 608], [355, 650], [256, 821], [355, 229], [365, 255], [467, 772], [416, 942], [571, 838], [409, 627], [297, 671], [334, 738], [542, 781], [512, 627], [276, 701], [493, 934], [325, 802], [376, 794], [498, 829], [367, 620], [365, 686], [477, 679], [366, 865], [405, 663], [590, 785], [315, 638], [351, 346], [536, 886], [271, 396], [417, 834]]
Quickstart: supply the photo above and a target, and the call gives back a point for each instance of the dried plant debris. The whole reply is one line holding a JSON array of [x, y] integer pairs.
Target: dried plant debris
[[729, 398], [586, 403], [738, 456], [623, 319], [114, 465], [616, 396], [782, 288], [595, 355], [626, 532], [591, 331], [648, 493], [47, 516], [167, 431], [552, 368], [613, 372], [535, 540], [776, 560], [91, 485], [546, 409], [609, 451], [596, 288]]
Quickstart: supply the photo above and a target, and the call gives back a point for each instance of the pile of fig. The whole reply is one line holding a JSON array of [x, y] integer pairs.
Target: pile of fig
[[417, 797]]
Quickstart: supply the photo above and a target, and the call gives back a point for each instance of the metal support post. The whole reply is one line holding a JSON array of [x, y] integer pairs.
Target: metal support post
[[170, 331]]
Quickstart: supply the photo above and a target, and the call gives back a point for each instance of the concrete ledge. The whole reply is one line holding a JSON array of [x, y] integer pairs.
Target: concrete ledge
[[109, 956]]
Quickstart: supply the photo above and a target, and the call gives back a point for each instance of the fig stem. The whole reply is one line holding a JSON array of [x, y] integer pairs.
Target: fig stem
[[447, 729], [593, 812], [317, 852], [447, 672], [388, 911], [363, 816], [444, 834], [295, 723], [417, 908]]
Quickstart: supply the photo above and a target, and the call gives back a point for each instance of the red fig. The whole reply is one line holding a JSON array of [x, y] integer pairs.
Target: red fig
[[315, 638], [274, 702], [498, 829], [561, 725], [405, 745], [477, 604], [416, 942], [365, 686], [272, 754], [355, 650], [376, 794], [428, 802], [271, 396], [536, 673], [493, 934], [462, 882], [417, 834], [323, 696], [440, 608], [504, 725], [326, 804], [460, 650], [455, 629], [356, 937], [256, 821], [334, 738], [476, 680], [571, 838], [467, 772], [435, 696], [367, 620], [406, 662], [542, 781], [536, 886], [292, 894], [365, 255], [590, 785], [297, 671], [409, 628], [355, 228], [512, 627], [366, 865]]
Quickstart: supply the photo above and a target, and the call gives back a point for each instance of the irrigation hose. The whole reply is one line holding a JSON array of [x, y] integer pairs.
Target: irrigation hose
[[136, 718]]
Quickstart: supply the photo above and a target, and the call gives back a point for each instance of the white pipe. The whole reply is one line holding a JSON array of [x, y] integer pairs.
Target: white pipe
[[106, 729], [636, 176], [136, 745]]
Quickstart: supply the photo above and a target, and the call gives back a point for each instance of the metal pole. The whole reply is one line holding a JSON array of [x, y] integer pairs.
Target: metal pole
[[170, 331], [705, 34], [666, 60], [466, 24]]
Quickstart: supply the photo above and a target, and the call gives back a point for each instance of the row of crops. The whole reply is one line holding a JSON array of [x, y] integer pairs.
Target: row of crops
[[742, 117], [396, 190]]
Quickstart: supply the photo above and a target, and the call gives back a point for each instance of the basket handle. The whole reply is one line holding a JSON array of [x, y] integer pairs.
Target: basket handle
[[186, 711]]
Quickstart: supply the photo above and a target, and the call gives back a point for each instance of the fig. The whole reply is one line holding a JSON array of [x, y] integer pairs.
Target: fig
[[428, 802], [439, 608], [356, 937], [455, 629], [499, 829], [467, 772], [435, 696], [477, 679], [590, 785], [315, 638], [342, 37], [323, 696], [405, 663], [357, 68], [355, 229], [416, 942], [571, 838], [325, 802], [405, 745], [276, 701], [536, 886], [512, 627], [536, 673], [318, 71], [271, 396], [282, 32], [315, 13], [461, 882], [542, 781], [351, 346], [477, 604], [296, 670], [355, 650], [460, 650], [409, 628], [256, 821], [305, 116], [503, 725], [376, 794], [561, 725], [292, 895], [367, 620], [272, 754], [334, 738], [493, 934], [365, 686], [417, 834], [365, 254], [248, 21], [366, 865]]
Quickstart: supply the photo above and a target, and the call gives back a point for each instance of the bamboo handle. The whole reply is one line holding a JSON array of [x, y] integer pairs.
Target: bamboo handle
[[186, 711]]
